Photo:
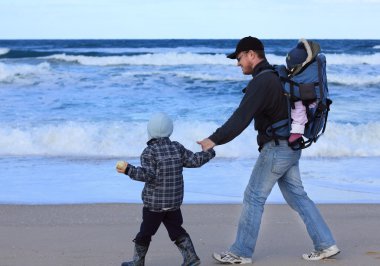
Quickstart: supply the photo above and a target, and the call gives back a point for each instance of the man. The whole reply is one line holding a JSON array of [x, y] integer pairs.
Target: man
[[265, 103]]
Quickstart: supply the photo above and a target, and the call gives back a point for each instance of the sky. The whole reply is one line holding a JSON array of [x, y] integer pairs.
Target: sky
[[190, 19]]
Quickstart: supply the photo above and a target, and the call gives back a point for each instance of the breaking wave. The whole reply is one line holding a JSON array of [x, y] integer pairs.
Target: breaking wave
[[128, 140], [22, 72], [4, 51]]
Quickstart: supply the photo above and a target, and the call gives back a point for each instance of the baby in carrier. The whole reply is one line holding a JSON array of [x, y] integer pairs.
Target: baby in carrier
[[296, 57]]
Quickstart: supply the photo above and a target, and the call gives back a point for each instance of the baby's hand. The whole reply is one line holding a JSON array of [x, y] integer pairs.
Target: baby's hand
[[121, 166]]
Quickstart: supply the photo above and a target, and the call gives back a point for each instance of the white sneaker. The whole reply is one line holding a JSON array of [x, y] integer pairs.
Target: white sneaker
[[322, 254], [230, 258]]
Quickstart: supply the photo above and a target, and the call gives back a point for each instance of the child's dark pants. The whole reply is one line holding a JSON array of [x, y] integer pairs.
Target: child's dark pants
[[152, 220]]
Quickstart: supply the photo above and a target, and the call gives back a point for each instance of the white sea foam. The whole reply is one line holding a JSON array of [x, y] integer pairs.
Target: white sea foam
[[349, 59], [376, 47], [158, 59], [228, 75], [146, 59], [188, 58], [4, 50], [23, 72], [348, 140], [128, 140], [210, 77], [10, 73], [347, 79], [193, 75]]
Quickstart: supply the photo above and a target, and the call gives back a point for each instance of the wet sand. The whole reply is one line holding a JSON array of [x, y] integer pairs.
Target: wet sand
[[101, 234]]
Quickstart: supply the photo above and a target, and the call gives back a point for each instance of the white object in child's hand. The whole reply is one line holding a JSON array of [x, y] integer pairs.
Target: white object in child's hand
[[120, 165]]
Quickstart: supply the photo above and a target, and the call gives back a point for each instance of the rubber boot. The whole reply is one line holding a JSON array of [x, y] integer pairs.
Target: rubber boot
[[187, 250], [138, 256]]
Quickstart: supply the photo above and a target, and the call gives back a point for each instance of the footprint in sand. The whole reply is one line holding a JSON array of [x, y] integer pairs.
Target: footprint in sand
[[374, 253]]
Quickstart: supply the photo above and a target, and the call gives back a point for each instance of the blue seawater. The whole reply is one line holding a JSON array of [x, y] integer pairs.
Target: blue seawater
[[71, 103]]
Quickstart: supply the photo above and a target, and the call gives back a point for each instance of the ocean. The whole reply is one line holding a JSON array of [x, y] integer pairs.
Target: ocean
[[69, 109]]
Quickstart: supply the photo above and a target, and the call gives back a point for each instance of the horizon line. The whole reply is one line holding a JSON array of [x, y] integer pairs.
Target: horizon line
[[157, 39]]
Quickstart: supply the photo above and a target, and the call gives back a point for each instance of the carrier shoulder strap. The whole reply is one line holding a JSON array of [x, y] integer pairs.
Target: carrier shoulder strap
[[280, 129], [266, 70], [269, 69]]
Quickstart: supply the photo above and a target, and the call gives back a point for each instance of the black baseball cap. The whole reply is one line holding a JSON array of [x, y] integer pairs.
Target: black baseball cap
[[246, 44]]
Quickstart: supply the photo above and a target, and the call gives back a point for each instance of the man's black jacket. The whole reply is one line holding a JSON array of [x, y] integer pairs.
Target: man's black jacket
[[264, 101]]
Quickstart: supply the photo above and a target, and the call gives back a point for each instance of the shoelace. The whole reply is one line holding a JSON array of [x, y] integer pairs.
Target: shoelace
[[314, 254], [227, 256]]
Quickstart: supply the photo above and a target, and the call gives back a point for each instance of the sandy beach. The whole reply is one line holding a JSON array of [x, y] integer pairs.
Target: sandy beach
[[101, 234]]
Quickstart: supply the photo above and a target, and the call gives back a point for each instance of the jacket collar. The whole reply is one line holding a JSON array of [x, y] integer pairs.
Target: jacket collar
[[264, 64], [158, 140], [260, 67]]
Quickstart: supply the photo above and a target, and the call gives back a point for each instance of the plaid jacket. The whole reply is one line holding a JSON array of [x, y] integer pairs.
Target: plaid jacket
[[161, 169]]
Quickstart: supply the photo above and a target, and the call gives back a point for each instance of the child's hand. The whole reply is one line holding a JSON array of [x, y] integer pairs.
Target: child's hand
[[121, 166]]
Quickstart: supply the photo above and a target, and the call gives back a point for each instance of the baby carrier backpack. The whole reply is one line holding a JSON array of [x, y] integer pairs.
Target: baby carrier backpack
[[306, 82]]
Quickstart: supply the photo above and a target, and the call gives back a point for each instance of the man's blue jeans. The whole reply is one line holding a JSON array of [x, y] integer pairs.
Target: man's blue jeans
[[277, 163]]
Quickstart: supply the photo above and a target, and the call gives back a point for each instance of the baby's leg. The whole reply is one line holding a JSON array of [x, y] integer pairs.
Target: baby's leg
[[299, 118]]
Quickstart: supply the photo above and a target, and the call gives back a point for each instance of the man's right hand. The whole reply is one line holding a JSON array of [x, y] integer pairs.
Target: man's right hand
[[206, 144]]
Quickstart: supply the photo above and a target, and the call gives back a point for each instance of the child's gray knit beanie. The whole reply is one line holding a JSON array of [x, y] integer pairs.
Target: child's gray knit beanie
[[159, 126]]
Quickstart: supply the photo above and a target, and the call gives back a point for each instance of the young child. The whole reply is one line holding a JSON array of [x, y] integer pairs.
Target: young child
[[295, 57], [162, 163]]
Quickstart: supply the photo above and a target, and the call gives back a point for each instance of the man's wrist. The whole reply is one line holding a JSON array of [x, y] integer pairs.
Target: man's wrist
[[211, 138]]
